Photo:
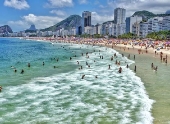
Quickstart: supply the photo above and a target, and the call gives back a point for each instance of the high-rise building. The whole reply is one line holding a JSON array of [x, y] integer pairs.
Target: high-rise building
[[130, 21], [119, 15], [86, 15], [86, 20]]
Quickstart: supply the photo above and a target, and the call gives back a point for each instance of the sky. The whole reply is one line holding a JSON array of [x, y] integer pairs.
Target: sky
[[20, 14]]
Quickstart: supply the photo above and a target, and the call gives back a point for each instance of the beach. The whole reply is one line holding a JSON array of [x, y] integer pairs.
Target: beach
[[156, 83], [108, 91]]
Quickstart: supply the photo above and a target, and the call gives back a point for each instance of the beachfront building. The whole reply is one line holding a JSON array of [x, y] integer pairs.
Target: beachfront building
[[98, 29], [86, 20], [91, 30], [154, 25], [130, 21], [119, 26], [166, 23], [72, 31], [136, 29], [119, 15], [143, 31]]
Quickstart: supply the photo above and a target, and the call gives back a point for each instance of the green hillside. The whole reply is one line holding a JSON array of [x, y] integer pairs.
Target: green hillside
[[71, 21], [147, 14]]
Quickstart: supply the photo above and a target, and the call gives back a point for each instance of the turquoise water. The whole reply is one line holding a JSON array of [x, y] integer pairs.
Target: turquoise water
[[44, 94]]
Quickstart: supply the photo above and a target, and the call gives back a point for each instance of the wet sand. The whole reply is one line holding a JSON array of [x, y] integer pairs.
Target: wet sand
[[157, 84]]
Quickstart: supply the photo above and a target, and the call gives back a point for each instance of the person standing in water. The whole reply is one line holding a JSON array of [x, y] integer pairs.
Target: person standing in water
[[29, 65], [135, 68]]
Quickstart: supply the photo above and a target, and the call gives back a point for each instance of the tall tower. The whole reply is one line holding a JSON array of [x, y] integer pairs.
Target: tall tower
[[119, 15], [86, 15], [86, 20]]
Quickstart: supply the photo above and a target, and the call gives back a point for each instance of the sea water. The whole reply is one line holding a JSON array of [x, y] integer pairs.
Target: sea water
[[44, 94]]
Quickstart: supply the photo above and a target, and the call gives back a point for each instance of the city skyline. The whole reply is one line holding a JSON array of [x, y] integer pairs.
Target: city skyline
[[20, 14]]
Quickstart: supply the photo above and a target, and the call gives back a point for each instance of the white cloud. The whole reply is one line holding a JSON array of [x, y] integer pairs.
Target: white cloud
[[131, 6], [82, 1], [59, 3], [58, 12], [17, 4], [39, 21], [97, 18]]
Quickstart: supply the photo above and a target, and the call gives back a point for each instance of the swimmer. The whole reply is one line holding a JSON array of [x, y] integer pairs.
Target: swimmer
[[0, 88], [120, 70], [29, 65], [109, 67], [82, 76], [127, 66], [22, 71]]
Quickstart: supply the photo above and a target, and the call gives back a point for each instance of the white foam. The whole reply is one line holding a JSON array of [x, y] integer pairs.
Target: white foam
[[66, 96]]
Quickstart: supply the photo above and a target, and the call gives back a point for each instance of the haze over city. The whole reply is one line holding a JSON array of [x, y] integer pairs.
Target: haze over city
[[20, 14]]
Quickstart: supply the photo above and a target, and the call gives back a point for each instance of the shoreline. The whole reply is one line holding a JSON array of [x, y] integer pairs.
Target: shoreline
[[128, 49]]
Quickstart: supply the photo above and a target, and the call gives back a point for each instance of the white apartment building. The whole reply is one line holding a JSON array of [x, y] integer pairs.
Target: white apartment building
[[136, 29], [153, 24], [143, 29], [166, 23], [98, 29], [119, 15], [130, 21]]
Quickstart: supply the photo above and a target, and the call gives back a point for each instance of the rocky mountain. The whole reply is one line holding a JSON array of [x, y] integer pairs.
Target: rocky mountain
[[167, 12], [31, 29], [5, 29], [147, 15], [71, 21]]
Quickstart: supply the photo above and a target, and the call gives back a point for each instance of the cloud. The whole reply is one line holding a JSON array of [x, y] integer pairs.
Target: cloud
[[40, 22], [131, 6], [17, 4], [59, 3], [97, 18], [58, 12], [82, 1]]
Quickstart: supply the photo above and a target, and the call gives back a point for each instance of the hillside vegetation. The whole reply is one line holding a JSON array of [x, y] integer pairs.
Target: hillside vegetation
[[71, 21]]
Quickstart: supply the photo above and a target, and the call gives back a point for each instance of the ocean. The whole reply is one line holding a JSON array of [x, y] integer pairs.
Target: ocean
[[56, 93]]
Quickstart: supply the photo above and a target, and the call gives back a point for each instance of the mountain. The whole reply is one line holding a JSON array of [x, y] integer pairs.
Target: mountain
[[167, 12], [5, 29], [32, 28], [71, 21], [109, 22], [146, 14]]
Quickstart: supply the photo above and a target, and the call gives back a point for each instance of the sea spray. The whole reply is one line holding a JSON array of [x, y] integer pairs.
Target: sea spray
[[65, 97]]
